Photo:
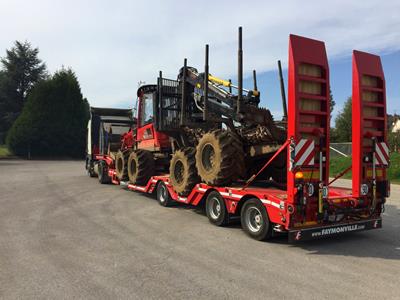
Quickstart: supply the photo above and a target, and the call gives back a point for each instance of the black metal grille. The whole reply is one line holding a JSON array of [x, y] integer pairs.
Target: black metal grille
[[169, 101]]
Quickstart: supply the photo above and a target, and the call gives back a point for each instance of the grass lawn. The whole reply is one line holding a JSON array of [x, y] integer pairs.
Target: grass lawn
[[4, 152], [339, 164]]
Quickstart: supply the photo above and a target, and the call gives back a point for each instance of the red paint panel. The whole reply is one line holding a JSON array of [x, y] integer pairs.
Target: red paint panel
[[308, 100], [369, 114]]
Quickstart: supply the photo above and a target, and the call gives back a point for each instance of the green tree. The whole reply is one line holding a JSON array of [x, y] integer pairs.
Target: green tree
[[332, 102], [21, 70], [53, 121], [394, 141], [343, 123]]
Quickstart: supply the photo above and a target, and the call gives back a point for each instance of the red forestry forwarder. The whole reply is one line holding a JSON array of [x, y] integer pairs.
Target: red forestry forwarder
[[196, 142]]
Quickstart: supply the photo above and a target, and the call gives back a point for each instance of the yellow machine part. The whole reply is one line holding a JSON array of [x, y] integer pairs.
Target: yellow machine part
[[219, 81]]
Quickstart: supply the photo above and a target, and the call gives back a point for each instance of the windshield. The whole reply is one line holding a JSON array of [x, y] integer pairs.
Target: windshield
[[146, 115]]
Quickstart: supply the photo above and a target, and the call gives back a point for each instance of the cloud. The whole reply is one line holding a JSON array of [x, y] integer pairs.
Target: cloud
[[112, 45]]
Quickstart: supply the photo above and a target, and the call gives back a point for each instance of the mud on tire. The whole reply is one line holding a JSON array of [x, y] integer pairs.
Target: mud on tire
[[220, 157], [182, 170], [140, 166], [121, 165]]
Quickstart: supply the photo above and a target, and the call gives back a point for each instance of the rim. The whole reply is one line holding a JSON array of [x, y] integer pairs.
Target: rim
[[132, 167], [253, 219], [178, 171], [215, 208], [162, 193], [208, 157]]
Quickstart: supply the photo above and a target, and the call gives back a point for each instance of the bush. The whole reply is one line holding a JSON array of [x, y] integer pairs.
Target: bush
[[339, 164], [53, 121]]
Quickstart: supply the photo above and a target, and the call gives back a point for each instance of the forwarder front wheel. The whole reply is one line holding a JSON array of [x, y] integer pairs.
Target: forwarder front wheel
[[140, 166], [255, 221], [182, 171]]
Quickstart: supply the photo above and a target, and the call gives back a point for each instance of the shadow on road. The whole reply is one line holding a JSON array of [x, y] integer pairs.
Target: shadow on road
[[382, 243]]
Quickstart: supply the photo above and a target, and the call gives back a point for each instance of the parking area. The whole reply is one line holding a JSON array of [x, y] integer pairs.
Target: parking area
[[63, 235]]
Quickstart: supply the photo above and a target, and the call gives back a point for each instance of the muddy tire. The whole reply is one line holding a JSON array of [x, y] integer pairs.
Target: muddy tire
[[182, 171], [121, 165], [140, 167], [220, 158]]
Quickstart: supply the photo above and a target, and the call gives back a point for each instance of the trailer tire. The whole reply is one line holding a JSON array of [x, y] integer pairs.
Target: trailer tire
[[220, 157], [121, 165], [89, 168], [163, 196], [103, 173], [216, 209], [255, 221], [140, 166], [182, 171]]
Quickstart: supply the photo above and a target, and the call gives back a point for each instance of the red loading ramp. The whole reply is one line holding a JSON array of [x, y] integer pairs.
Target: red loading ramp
[[369, 130], [309, 111]]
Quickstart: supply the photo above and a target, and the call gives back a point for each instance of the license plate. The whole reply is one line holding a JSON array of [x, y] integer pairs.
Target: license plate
[[333, 230]]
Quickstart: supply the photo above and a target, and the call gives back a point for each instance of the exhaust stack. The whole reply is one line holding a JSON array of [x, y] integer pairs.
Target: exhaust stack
[[183, 103], [283, 95], [205, 86], [240, 73]]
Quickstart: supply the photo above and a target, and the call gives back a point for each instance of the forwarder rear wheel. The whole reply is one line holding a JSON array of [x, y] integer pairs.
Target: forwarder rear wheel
[[121, 165], [182, 171], [220, 157], [140, 166]]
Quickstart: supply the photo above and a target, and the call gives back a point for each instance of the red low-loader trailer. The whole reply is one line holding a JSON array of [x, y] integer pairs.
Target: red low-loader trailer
[[308, 206]]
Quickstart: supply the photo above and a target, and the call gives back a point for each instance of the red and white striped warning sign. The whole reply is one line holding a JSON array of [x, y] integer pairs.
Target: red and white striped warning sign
[[381, 154], [304, 153]]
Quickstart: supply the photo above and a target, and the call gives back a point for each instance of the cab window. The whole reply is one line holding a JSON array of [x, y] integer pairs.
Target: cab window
[[146, 116]]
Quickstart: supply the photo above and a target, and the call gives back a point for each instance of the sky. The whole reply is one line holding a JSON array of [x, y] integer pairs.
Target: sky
[[114, 45]]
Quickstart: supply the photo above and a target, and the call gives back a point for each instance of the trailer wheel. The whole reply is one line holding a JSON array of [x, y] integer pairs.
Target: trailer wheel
[[103, 173], [163, 196], [121, 165], [89, 168], [255, 221], [182, 171], [220, 157], [216, 209], [140, 166]]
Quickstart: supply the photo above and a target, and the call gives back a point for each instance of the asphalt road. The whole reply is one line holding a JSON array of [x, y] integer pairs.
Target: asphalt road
[[63, 235]]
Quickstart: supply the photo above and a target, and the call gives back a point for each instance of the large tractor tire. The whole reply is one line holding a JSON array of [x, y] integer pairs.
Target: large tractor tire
[[182, 171], [220, 158], [140, 166], [121, 165]]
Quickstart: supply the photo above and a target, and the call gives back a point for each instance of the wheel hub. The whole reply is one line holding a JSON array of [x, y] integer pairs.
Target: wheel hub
[[254, 219], [163, 193], [178, 172], [208, 157], [215, 208]]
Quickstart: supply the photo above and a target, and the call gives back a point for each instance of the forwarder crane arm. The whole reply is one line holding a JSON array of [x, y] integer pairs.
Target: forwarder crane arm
[[220, 100]]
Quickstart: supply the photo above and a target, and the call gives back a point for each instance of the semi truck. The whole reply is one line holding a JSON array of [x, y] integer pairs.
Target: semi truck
[[277, 180]]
